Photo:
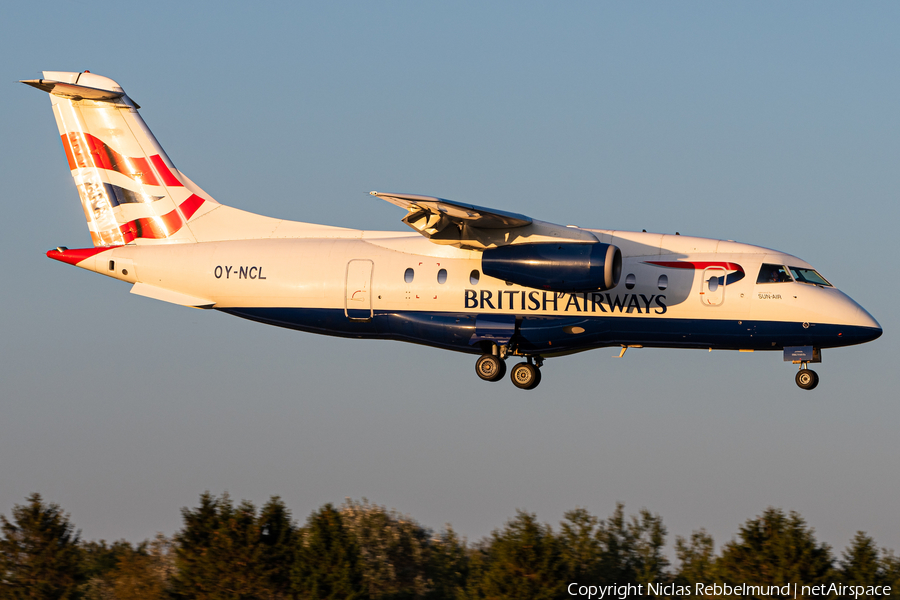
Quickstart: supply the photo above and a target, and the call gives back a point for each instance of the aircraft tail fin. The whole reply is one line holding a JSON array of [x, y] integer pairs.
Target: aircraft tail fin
[[130, 190]]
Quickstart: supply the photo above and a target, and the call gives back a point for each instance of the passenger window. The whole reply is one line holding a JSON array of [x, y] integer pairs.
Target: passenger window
[[773, 274], [442, 276], [474, 276], [409, 275], [808, 276], [663, 282], [630, 281]]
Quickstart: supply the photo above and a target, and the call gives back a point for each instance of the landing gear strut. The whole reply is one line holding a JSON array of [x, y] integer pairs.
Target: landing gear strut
[[806, 378]]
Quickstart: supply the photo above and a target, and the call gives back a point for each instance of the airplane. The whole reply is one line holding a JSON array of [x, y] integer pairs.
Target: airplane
[[492, 283]]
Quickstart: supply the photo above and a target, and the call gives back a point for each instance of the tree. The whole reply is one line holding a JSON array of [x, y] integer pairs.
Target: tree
[[775, 549], [697, 558], [393, 550], [891, 564], [277, 539], [581, 550], [137, 577], [522, 562], [99, 561], [448, 566], [39, 553], [614, 550], [327, 559], [120, 572], [863, 565], [632, 550], [225, 552]]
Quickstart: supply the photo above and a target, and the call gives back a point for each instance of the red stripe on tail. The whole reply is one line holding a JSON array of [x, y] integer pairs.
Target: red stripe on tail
[[97, 154], [157, 228], [164, 171], [191, 205], [67, 146]]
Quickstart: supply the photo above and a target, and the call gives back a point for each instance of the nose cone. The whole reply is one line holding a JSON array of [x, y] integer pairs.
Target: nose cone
[[841, 321], [858, 325], [867, 327], [866, 320]]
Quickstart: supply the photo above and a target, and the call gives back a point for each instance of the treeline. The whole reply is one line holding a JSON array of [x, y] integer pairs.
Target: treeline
[[363, 551]]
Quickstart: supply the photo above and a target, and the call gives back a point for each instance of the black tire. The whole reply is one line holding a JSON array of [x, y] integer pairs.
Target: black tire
[[806, 379], [537, 381], [525, 376], [490, 368]]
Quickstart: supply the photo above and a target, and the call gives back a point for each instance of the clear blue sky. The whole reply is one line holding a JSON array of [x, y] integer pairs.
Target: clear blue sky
[[770, 123]]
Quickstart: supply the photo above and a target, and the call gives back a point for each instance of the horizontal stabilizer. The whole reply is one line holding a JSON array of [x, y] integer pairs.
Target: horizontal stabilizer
[[150, 291], [73, 91]]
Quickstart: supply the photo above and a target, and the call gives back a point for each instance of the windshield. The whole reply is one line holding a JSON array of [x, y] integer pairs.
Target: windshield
[[808, 276], [773, 274]]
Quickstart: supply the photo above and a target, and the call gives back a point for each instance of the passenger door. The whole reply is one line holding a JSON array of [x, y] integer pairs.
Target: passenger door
[[712, 290], [358, 290]]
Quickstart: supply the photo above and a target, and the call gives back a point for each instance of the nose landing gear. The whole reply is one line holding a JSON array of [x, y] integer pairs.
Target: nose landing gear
[[803, 355], [806, 378]]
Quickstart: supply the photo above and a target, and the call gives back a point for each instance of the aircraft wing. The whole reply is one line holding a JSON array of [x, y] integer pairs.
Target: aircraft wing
[[474, 227], [423, 207]]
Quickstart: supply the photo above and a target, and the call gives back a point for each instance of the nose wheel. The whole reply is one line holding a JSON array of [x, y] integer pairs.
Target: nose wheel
[[806, 378]]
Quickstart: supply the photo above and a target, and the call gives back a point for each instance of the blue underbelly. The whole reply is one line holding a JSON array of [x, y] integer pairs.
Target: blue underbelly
[[551, 334]]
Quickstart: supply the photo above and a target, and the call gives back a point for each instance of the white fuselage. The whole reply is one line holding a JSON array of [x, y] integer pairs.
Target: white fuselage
[[344, 283]]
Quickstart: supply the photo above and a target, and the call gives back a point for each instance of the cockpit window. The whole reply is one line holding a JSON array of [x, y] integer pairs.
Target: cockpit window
[[808, 276], [773, 274]]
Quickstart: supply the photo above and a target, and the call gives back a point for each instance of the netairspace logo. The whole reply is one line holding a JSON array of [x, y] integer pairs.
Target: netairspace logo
[[790, 590]]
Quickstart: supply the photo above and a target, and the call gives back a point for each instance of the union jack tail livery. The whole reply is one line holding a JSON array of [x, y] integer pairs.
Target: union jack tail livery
[[130, 191]]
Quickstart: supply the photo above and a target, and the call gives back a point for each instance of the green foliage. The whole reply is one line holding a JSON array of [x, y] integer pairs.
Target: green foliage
[[775, 549], [891, 564], [522, 561], [448, 566], [581, 548], [277, 538], [863, 565], [362, 551], [98, 558], [366, 551], [226, 552], [697, 558], [615, 550], [633, 550], [39, 553], [140, 573], [394, 550], [328, 562], [860, 564]]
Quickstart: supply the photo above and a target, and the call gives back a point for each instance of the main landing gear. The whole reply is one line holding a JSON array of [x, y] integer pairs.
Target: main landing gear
[[806, 378], [490, 367], [525, 375]]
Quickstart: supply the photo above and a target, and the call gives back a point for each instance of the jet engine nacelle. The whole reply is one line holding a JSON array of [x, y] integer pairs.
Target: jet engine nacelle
[[559, 267]]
